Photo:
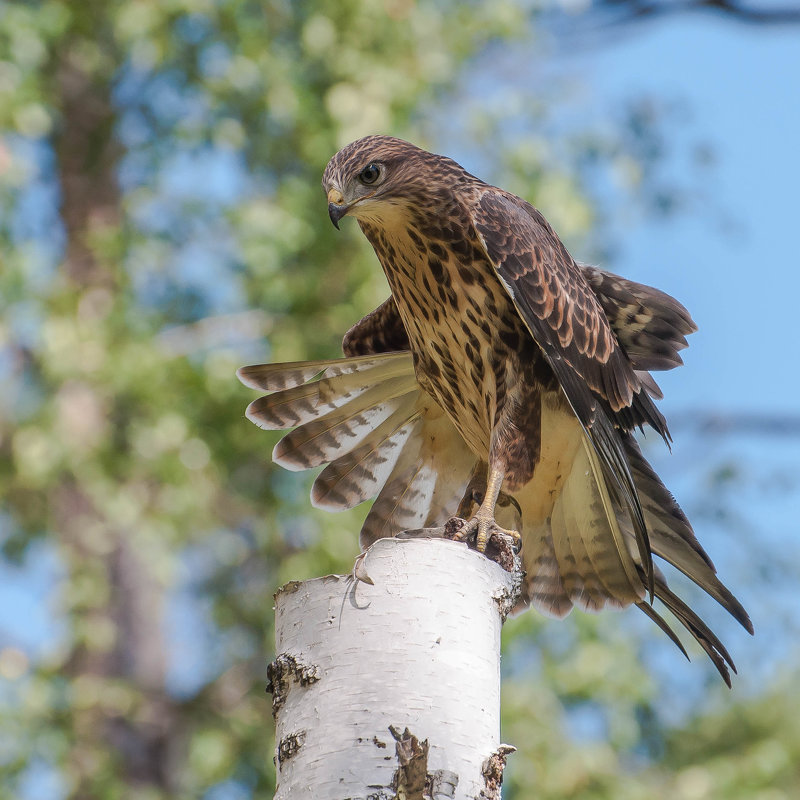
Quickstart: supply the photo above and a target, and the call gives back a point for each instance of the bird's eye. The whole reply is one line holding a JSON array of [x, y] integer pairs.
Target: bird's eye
[[369, 174]]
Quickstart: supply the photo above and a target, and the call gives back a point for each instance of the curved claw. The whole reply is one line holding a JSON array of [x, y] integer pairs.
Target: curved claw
[[484, 528]]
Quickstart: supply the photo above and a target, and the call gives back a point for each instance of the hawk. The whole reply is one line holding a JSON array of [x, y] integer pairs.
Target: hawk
[[500, 374]]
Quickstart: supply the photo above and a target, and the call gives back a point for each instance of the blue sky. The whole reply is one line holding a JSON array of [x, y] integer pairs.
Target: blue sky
[[740, 281]]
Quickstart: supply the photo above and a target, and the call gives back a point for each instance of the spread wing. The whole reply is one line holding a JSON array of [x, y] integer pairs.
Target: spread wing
[[379, 433], [381, 331], [650, 325], [567, 321]]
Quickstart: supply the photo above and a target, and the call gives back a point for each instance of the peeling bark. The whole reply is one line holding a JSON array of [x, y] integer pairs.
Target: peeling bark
[[411, 778], [289, 746], [492, 771]]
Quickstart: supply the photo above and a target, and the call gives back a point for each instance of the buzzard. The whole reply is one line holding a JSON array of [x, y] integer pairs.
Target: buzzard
[[500, 374]]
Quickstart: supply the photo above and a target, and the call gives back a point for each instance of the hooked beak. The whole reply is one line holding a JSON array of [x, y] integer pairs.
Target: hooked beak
[[336, 207]]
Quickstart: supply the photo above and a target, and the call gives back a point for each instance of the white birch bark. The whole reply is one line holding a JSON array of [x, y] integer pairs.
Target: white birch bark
[[417, 651]]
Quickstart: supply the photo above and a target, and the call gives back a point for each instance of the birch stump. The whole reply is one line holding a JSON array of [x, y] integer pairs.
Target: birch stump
[[392, 689]]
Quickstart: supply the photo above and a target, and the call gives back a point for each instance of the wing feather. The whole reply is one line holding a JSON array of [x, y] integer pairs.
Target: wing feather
[[343, 429], [672, 537], [650, 325], [428, 480], [360, 474], [338, 383], [702, 634], [380, 331], [568, 323]]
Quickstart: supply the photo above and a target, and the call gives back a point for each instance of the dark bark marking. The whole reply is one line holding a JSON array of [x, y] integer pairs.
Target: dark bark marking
[[282, 671], [289, 746], [492, 771], [411, 778]]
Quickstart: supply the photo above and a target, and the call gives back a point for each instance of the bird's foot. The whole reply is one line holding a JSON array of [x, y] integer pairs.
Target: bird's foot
[[484, 528], [499, 544]]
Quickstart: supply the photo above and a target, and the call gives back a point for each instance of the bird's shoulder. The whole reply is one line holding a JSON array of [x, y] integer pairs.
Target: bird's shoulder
[[545, 282]]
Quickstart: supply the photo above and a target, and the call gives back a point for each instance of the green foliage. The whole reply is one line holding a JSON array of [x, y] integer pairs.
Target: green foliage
[[123, 448]]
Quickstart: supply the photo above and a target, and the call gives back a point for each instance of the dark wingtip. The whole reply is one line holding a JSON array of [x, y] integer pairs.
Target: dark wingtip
[[724, 674], [662, 623], [702, 634]]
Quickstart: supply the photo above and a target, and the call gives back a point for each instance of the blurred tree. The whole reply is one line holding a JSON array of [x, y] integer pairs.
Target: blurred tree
[[160, 216], [124, 447]]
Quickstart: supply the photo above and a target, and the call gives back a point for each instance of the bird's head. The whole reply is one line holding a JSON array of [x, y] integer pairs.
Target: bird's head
[[374, 176]]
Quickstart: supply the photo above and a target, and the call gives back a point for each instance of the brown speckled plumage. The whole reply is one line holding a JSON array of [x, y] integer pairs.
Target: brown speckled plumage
[[511, 361]]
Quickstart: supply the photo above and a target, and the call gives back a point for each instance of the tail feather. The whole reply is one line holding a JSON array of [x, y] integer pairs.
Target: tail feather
[[574, 551], [359, 474], [543, 587], [596, 568], [322, 439], [585, 552]]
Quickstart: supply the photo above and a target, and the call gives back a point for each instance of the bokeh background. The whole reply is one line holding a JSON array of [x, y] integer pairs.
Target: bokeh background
[[162, 223]]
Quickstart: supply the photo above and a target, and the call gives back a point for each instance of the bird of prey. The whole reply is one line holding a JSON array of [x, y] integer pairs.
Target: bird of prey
[[500, 374]]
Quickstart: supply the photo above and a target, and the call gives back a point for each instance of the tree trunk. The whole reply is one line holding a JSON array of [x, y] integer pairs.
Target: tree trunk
[[96, 550], [392, 690]]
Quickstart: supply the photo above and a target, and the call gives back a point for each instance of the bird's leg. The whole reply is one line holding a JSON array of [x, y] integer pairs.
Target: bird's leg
[[483, 522], [475, 491]]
